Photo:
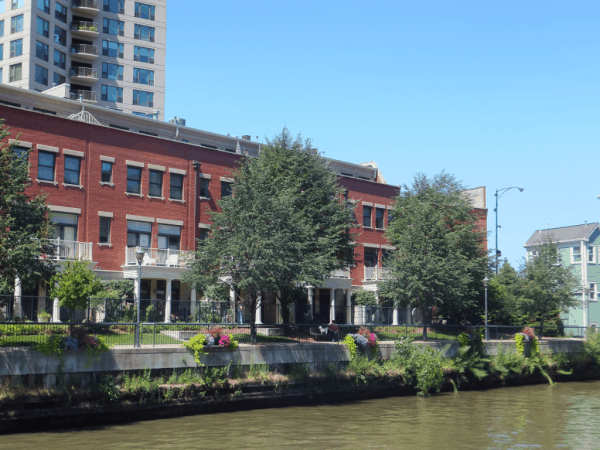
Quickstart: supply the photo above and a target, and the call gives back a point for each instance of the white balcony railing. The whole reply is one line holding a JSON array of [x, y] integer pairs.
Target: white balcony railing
[[341, 273], [159, 257], [72, 250], [376, 273]]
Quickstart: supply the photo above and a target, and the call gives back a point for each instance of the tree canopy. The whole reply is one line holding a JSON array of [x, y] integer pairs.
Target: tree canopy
[[440, 258], [24, 221], [74, 285], [285, 226]]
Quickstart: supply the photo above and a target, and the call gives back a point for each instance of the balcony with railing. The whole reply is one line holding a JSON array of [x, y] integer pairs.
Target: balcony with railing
[[341, 273], [376, 273], [86, 30], [159, 257], [71, 250], [86, 7], [84, 52], [84, 75], [86, 96]]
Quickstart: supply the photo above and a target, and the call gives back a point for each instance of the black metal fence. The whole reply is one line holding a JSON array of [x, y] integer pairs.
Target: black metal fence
[[160, 334]]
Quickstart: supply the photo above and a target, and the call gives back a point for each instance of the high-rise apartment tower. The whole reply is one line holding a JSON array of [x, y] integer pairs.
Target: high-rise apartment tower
[[107, 52]]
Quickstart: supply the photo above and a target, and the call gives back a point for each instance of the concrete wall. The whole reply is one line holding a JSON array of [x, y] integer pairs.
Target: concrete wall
[[35, 369]]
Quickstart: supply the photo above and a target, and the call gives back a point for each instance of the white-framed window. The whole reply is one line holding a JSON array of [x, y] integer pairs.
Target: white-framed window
[[534, 253], [591, 254], [593, 297], [575, 254]]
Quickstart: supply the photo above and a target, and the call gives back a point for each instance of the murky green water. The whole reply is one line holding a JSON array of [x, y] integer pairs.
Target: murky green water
[[565, 416]]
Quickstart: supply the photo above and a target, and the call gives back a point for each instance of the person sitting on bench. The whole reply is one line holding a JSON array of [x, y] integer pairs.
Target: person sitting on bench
[[334, 330]]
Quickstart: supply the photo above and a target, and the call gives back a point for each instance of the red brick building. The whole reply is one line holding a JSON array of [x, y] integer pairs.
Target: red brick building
[[116, 182]]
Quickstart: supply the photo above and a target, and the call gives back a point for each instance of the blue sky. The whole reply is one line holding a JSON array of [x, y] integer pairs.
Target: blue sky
[[499, 93]]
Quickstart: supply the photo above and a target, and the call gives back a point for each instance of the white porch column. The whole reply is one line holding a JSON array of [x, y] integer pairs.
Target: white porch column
[[168, 303], [395, 316], [311, 301], [349, 306], [332, 305], [17, 305], [258, 318], [236, 314], [55, 309], [193, 304]]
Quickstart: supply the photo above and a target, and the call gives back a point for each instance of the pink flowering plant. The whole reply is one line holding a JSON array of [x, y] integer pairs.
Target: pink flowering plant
[[227, 340]]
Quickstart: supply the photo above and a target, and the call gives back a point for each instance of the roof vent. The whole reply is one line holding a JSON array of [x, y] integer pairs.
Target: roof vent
[[246, 137]]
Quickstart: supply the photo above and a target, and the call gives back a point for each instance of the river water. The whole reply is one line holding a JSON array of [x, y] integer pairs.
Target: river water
[[565, 416]]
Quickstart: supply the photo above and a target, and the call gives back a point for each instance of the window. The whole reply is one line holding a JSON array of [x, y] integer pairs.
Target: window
[[116, 6], [41, 75], [60, 59], [104, 230], [2, 52], [45, 111], [576, 254], [60, 36], [1, 75], [58, 79], [16, 48], [138, 234], [46, 166], [143, 54], [156, 177], [143, 114], [593, 293], [21, 153], [203, 234], [41, 50], [16, 23], [143, 76], [144, 33], [17, 4], [65, 229], [169, 236], [44, 5], [134, 180], [144, 11], [106, 172], [15, 72], [112, 49], [226, 189], [592, 254], [60, 12], [72, 168], [143, 98], [1, 28], [176, 187], [366, 216], [43, 27], [112, 94], [204, 188], [112, 71], [114, 27], [379, 213]]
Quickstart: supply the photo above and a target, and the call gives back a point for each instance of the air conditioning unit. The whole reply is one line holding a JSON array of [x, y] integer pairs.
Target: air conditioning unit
[[178, 121]]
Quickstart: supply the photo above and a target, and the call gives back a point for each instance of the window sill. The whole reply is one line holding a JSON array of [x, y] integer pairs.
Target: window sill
[[367, 228], [135, 195], [176, 200], [73, 185], [155, 198], [104, 245], [204, 198], [46, 181], [379, 229], [104, 183]]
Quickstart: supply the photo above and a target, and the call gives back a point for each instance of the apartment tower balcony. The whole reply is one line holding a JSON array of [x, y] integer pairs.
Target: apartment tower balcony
[[84, 30], [87, 8], [84, 52], [83, 75]]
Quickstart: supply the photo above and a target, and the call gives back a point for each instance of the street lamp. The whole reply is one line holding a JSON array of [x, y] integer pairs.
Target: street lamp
[[499, 193], [139, 255], [485, 283]]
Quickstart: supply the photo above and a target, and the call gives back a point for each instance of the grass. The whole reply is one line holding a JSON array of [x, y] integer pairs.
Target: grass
[[112, 339]]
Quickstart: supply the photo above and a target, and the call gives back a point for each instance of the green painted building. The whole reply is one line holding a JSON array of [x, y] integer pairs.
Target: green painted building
[[579, 246]]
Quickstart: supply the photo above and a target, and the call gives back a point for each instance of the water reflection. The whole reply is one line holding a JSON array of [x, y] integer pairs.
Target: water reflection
[[565, 416]]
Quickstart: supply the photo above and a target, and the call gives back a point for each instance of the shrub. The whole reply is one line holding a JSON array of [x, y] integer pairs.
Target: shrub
[[51, 345], [196, 345], [364, 298], [352, 347], [421, 367]]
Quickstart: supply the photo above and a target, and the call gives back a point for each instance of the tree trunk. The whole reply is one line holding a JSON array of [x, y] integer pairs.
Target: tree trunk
[[541, 332], [253, 303], [424, 315], [283, 303]]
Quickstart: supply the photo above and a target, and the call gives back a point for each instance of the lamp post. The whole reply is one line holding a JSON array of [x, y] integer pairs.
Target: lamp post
[[499, 193], [139, 255], [485, 283]]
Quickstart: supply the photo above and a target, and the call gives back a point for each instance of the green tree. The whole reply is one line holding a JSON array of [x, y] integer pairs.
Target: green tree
[[74, 285], [440, 258], [547, 285], [285, 226], [504, 292], [24, 221]]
